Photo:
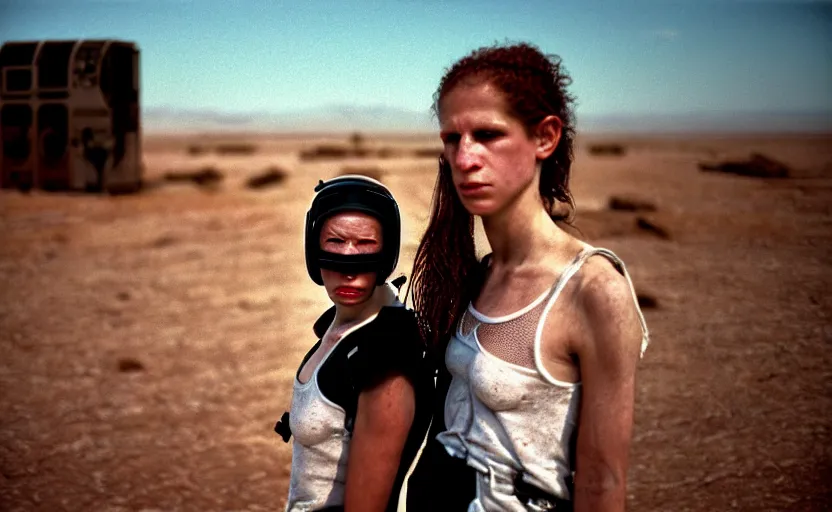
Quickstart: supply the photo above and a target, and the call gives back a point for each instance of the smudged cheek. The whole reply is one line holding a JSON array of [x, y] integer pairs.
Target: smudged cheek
[[513, 172]]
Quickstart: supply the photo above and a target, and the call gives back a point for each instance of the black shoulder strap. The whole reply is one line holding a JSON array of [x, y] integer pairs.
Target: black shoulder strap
[[486, 261], [398, 282], [390, 319]]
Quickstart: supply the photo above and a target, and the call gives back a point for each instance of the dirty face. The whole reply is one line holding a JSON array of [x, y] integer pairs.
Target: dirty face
[[350, 233], [492, 158]]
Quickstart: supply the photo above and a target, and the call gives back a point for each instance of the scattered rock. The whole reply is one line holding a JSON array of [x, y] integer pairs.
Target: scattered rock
[[646, 301], [164, 241], [214, 225], [252, 305], [387, 153], [427, 152], [148, 185], [653, 228], [204, 177], [193, 255], [759, 166], [340, 152], [196, 150], [238, 148], [227, 148], [610, 149], [629, 204], [327, 152], [130, 365], [270, 177], [767, 377], [113, 312]]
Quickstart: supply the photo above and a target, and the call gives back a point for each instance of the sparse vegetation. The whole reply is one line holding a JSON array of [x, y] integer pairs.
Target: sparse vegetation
[[427, 152], [630, 204], [270, 177], [130, 365], [224, 148], [205, 177], [607, 149], [651, 227], [183, 282], [357, 149], [357, 140], [197, 150], [327, 152], [386, 152], [235, 148], [758, 165], [163, 241]]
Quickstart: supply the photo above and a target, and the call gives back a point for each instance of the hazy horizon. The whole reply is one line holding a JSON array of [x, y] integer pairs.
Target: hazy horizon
[[347, 118]]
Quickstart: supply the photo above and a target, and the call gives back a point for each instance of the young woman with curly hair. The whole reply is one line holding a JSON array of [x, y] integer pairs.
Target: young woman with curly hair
[[541, 339]]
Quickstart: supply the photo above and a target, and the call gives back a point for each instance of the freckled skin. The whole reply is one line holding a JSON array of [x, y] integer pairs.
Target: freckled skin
[[483, 144], [386, 411], [350, 233], [495, 164]]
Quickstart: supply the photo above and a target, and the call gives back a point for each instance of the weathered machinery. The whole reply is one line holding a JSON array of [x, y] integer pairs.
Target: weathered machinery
[[69, 115]]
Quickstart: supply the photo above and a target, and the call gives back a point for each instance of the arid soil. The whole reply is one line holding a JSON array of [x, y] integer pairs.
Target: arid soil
[[148, 342]]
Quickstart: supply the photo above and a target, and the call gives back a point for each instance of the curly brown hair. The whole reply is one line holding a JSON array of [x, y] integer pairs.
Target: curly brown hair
[[446, 274]]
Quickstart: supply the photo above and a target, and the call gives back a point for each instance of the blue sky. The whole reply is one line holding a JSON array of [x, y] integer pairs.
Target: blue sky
[[625, 57]]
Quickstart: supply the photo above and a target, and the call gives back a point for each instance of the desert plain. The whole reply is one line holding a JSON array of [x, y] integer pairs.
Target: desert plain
[[148, 341]]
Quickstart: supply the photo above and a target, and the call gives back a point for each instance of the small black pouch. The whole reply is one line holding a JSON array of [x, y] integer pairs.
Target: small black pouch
[[282, 427], [529, 494]]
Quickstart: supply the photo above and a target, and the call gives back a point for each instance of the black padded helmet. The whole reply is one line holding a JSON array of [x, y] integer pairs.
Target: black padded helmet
[[350, 193]]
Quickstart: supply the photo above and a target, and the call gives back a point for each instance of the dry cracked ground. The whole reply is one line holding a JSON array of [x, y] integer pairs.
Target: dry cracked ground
[[148, 342]]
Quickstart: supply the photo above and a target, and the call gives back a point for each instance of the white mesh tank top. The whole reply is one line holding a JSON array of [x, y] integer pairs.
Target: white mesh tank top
[[504, 413]]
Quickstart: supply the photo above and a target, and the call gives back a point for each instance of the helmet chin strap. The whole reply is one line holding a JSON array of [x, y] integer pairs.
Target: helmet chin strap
[[350, 264]]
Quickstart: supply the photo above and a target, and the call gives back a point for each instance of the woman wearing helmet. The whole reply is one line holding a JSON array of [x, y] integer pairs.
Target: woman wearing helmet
[[362, 396]]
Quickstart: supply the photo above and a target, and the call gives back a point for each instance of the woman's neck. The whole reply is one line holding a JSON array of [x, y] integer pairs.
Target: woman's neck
[[523, 232], [348, 316]]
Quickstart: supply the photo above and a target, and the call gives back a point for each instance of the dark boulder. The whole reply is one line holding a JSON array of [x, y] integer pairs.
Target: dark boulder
[[758, 166], [205, 177], [270, 177], [630, 204], [608, 149]]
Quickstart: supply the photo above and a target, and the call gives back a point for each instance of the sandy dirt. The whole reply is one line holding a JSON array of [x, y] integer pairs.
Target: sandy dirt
[[148, 342]]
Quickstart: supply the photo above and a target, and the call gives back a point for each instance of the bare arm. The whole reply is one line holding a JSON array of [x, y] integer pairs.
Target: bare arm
[[385, 414], [608, 352]]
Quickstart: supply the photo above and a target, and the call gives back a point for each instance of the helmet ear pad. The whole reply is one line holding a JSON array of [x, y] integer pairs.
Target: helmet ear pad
[[350, 195], [312, 244]]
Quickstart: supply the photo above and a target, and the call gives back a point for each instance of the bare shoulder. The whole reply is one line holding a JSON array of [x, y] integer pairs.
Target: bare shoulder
[[608, 310], [601, 288]]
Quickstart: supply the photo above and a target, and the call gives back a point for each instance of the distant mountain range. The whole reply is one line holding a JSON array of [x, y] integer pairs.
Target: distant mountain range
[[340, 118], [344, 118], [710, 122]]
